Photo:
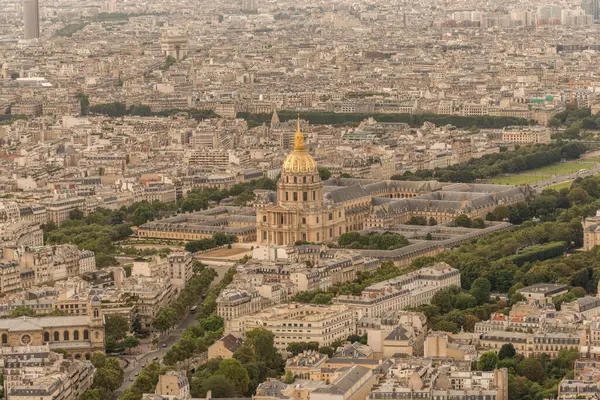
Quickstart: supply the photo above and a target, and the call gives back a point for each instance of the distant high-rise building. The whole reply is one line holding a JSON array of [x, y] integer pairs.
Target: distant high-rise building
[[592, 7], [31, 19], [249, 5]]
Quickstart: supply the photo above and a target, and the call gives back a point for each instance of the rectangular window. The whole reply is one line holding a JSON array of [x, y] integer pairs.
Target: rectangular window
[[305, 196], [304, 237], [314, 195], [330, 216], [317, 220], [303, 220], [265, 235], [287, 197], [318, 236], [295, 196], [330, 232], [264, 218]]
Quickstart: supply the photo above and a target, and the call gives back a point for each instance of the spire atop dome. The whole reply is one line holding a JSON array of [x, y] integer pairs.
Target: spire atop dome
[[299, 160], [299, 138]]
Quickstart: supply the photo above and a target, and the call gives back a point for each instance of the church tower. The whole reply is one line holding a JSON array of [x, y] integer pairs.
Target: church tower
[[300, 213], [275, 123]]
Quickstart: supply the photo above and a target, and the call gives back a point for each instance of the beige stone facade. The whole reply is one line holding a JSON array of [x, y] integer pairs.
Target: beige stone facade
[[301, 323], [300, 213], [591, 231], [80, 336]]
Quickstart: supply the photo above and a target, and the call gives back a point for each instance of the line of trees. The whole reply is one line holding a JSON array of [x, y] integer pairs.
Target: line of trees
[[574, 120], [167, 317], [534, 378], [100, 230], [252, 363], [196, 338], [145, 382], [385, 241], [107, 379], [218, 239], [331, 118], [117, 338], [118, 109]]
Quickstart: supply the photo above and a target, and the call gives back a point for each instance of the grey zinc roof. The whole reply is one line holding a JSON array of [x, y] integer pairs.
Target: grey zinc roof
[[346, 381], [398, 333], [31, 323], [347, 193]]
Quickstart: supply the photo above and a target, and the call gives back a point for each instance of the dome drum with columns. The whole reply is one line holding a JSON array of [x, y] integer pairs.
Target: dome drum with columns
[[300, 213]]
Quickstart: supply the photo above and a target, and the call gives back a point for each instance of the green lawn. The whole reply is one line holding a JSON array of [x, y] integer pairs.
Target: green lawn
[[517, 179], [591, 159], [558, 186], [546, 172], [560, 169]]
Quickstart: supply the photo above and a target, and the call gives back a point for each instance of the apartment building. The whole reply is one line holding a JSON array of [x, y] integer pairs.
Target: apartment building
[[20, 234], [87, 261], [35, 372], [163, 193], [9, 211], [590, 345], [10, 277], [34, 213], [316, 278], [179, 268], [173, 384], [300, 323], [446, 381], [423, 284], [353, 384], [151, 293], [209, 158], [59, 262], [526, 135], [375, 302], [235, 302], [58, 209], [543, 293]]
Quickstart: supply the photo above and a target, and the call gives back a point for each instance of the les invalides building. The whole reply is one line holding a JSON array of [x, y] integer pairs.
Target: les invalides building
[[301, 214]]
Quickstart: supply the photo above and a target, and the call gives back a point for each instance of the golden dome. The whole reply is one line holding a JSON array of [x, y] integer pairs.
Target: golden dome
[[299, 160]]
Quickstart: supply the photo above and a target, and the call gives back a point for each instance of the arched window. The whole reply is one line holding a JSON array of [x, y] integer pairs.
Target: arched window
[[56, 336], [66, 335], [86, 334], [76, 335], [4, 338], [46, 336]]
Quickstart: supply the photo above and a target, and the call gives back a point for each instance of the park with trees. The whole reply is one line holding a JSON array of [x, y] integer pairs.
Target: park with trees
[[353, 119], [102, 230], [542, 247], [523, 158]]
